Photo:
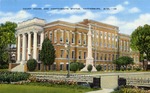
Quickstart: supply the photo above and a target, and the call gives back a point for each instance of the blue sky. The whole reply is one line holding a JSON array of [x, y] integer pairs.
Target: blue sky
[[126, 14]]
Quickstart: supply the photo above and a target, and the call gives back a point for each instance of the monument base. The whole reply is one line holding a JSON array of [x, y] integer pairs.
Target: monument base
[[89, 61], [85, 69]]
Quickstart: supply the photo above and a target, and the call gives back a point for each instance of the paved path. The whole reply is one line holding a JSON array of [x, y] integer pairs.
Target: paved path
[[102, 91]]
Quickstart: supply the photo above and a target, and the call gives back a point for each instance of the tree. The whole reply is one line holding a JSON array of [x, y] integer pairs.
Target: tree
[[7, 37], [123, 61], [74, 66], [47, 54], [140, 41]]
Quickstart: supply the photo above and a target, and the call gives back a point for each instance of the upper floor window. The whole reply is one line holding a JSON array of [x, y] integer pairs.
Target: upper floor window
[[73, 37], [101, 34], [46, 35], [105, 35], [55, 36], [73, 54], [50, 36], [79, 41], [67, 36], [61, 36], [84, 39], [105, 56]]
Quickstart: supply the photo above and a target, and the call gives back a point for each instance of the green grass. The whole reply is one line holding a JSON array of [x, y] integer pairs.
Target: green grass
[[9, 88], [3, 69]]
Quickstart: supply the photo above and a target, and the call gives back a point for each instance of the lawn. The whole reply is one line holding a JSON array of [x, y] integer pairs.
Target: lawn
[[9, 88]]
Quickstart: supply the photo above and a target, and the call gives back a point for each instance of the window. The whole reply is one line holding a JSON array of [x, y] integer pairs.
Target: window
[[113, 57], [61, 37], [101, 57], [55, 36], [54, 67], [73, 55], [80, 54], [105, 36], [97, 34], [79, 41], [104, 67], [100, 44], [61, 66], [108, 36], [50, 36], [97, 56], [109, 57], [45, 34], [112, 67], [84, 55], [105, 56], [105, 45], [84, 39], [124, 45], [101, 34], [73, 37], [38, 40], [67, 36], [67, 55], [61, 53], [38, 55], [108, 67]]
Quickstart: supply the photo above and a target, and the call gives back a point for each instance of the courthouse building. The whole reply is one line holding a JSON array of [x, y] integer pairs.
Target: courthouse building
[[107, 43]]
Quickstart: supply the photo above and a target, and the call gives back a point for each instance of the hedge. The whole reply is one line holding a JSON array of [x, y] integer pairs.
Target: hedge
[[7, 77]]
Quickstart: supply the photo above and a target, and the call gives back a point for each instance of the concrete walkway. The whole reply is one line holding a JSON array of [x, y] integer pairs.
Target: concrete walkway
[[102, 91]]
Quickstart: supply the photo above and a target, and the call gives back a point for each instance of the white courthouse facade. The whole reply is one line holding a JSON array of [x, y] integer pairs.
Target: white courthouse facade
[[107, 43]]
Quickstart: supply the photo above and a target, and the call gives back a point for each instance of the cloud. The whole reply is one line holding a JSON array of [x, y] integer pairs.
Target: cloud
[[128, 27], [126, 3], [134, 10], [14, 16], [113, 20], [33, 5], [77, 18], [47, 5], [75, 9]]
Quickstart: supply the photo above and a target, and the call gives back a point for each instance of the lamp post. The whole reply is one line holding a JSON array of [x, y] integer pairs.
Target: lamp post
[[67, 46]]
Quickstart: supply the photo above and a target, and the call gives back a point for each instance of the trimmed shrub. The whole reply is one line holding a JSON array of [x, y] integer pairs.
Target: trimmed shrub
[[31, 64], [138, 69], [74, 66], [98, 67], [89, 68], [129, 68], [80, 65]]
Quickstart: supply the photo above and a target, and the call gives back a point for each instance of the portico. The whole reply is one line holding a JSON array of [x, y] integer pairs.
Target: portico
[[30, 35]]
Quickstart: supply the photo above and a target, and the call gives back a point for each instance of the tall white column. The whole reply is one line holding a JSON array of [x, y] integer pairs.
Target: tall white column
[[24, 48], [89, 56], [89, 59], [29, 45], [35, 46], [18, 48], [42, 39]]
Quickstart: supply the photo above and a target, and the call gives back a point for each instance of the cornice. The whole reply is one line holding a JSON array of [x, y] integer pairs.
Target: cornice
[[30, 29]]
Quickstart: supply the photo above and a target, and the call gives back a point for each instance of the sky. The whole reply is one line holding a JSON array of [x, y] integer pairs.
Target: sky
[[126, 14]]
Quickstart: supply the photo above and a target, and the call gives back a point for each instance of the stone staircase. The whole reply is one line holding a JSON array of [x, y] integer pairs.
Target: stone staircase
[[19, 68]]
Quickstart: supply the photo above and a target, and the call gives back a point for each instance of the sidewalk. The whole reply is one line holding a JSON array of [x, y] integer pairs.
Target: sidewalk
[[102, 91]]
